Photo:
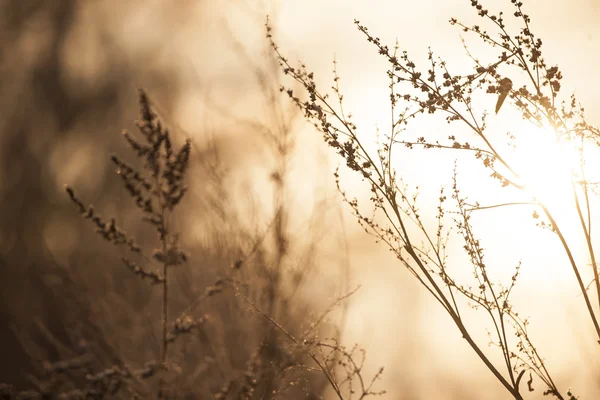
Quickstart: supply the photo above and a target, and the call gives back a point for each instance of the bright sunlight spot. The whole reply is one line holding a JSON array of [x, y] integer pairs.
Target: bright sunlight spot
[[546, 165]]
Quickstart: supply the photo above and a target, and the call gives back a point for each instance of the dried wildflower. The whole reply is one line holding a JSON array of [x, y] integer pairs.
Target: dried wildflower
[[435, 89], [67, 365], [156, 190], [172, 255], [251, 375], [155, 277], [108, 230], [185, 325]]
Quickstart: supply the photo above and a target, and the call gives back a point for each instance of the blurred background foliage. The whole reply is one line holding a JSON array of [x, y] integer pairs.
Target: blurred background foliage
[[71, 70]]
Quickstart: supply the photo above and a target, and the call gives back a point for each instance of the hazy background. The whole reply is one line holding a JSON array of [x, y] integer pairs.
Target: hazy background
[[70, 70]]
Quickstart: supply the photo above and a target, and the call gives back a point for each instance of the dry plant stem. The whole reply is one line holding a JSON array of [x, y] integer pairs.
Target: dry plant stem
[[564, 243], [164, 237], [552, 116], [165, 292], [573, 264], [588, 239], [383, 185], [500, 330], [323, 368], [390, 197], [511, 388], [156, 196], [587, 229], [328, 363], [451, 310], [587, 236], [165, 314], [549, 113]]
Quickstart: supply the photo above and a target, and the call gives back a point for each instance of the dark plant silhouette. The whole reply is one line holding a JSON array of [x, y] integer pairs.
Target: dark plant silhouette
[[520, 75]]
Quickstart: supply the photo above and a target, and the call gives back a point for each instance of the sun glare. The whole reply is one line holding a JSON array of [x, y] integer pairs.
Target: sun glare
[[547, 165]]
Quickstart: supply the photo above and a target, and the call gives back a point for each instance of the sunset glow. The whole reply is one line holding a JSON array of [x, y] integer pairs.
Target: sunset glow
[[547, 165], [276, 199]]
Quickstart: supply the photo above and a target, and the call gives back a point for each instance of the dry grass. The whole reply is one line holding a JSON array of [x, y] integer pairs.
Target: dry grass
[[202, 352]]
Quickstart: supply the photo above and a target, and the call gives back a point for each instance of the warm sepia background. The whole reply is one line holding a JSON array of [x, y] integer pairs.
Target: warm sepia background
[[69, 74]]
